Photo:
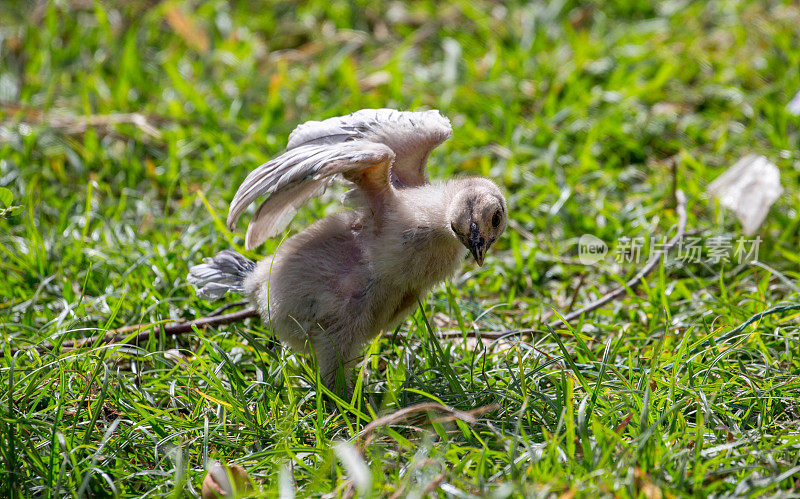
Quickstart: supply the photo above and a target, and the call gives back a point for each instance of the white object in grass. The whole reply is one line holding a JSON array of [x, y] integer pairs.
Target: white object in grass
[[748, 188], [355, 466], [217, 482], [794, 105]]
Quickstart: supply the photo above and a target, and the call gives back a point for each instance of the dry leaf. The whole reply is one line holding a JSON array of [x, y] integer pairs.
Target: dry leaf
[[748, 188], [188, 30]]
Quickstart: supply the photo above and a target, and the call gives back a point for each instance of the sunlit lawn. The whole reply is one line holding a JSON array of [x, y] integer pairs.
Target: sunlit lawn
[[587, 115]]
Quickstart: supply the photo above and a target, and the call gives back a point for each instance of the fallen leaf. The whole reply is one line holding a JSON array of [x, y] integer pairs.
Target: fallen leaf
[[620, 427], [188, 30], [569, 494]]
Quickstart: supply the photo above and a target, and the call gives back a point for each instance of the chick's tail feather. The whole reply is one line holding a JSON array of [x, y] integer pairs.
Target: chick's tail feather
[[219, 274]]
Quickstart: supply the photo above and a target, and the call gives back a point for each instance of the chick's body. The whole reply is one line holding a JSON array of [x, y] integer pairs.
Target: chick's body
[[335, 285], [343, 280]]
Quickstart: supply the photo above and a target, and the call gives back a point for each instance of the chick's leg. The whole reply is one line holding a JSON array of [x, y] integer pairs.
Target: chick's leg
[[335, 360]]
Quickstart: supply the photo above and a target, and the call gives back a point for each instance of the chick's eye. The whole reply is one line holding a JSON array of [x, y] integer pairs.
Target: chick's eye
[[496, 219]]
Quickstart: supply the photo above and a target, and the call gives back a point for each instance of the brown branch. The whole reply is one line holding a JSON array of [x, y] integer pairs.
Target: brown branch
[[469, 417], [577, 291], [78, 124], [637, 279], [457, 333], [120, 335], [227, 306]]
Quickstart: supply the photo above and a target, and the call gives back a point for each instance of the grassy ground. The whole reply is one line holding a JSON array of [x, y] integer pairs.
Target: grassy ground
[[582, 113]]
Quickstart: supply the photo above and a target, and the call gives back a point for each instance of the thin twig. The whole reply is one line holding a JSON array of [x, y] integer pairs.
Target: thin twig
[[78, 124], [217, 311], [120, 335], [674, 170], [469, 417], [637, 279], [481, 335], [486, 335], [575, 293]]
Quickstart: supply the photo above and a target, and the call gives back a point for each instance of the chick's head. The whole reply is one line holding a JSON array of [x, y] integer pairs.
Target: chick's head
[[478, 215]]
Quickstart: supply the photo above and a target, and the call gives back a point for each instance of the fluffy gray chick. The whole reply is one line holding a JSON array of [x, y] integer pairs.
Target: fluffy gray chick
[[337, 284]]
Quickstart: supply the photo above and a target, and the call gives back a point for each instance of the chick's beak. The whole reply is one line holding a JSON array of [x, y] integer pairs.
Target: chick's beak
[[477, 244]]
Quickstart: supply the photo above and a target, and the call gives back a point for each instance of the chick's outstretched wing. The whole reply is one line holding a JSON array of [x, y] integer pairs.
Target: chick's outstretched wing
[[302, 173], [411, 135], [377, 149]]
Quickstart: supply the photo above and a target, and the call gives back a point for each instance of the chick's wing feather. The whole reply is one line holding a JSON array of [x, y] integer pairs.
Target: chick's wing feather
[[411, 135], [301, 173]]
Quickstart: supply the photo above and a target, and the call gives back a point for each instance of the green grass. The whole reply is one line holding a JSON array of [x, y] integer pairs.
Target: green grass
[[580, 112]]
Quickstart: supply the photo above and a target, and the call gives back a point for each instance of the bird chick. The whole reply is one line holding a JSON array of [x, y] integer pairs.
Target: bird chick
[[334, 286]]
